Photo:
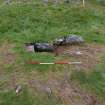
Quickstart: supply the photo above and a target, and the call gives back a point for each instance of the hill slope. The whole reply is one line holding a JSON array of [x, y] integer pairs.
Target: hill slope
[[51, 85]]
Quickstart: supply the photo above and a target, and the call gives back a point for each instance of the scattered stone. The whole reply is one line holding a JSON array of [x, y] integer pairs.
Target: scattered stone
[[78, 53], [46, 47], [30, 48], [55, 1], [48, 91], [51, 1], [42, 88], [73, 53], [8, 2]]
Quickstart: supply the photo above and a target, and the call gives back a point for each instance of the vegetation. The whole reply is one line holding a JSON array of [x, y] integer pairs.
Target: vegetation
[[94, 81], [21, 23]]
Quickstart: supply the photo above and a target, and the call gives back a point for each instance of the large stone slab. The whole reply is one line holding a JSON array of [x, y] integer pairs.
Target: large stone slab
[[40, 47], [70, 39]]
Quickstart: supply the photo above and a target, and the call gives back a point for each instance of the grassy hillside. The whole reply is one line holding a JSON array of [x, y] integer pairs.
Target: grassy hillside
[[36, 22], [30, 23]]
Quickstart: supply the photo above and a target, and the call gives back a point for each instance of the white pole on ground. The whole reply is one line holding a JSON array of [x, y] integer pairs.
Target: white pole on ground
[[46, 63], [53, 63]]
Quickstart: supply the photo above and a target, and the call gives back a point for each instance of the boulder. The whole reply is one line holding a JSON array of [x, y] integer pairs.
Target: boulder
[[41, 47], [70, 39]]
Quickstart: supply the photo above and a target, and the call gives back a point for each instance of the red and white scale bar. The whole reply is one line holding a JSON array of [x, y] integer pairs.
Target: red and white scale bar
[[53, 63], [70, 63]]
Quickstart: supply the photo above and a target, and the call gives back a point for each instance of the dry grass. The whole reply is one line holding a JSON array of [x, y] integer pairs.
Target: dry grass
[[91, 54], [58, 82], [6, 53]]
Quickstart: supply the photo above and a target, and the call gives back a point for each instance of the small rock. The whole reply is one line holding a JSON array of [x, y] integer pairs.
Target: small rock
[[48, 91], [18, 89], [8, 2], [73, 53], [55, 1], [67, 1], [45, 2]]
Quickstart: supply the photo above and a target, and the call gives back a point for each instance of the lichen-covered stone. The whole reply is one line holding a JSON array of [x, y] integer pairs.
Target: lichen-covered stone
[[70, 39]]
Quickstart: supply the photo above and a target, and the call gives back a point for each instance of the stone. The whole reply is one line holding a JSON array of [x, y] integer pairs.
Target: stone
[[40, 47], [67, 1], [70, 39], [45, 2], [18, 89]]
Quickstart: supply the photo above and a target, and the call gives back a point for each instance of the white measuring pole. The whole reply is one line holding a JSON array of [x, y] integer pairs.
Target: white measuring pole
[[53, 63], [46, 63]]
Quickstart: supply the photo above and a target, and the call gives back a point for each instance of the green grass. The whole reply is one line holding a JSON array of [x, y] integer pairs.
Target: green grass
[[30, 23], [27, 98], [93, 81]]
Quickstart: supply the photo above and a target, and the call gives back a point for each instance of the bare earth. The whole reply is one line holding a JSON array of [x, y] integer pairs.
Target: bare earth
[[62, 87]]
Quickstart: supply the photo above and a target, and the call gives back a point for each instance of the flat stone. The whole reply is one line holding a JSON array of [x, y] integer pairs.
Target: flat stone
[[70, 39], [40, 47]]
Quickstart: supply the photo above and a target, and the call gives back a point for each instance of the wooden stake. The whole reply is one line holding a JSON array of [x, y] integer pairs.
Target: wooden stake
[[83, 3]]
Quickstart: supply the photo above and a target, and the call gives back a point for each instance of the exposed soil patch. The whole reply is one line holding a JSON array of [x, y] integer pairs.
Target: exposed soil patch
[[6, 55], [90, 56], [62, 87], [68, 92]]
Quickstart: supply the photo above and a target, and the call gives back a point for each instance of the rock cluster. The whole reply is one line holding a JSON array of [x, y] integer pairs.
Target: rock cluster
[[47, 47]]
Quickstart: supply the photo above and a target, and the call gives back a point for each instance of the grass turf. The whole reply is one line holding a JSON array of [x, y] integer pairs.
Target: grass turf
[[35, 22]]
